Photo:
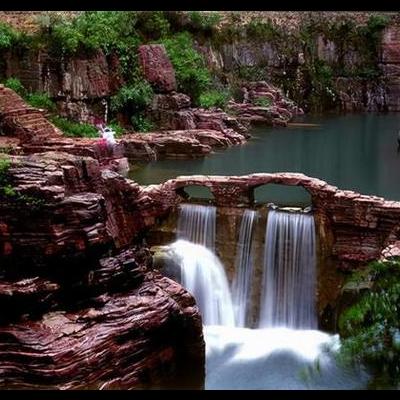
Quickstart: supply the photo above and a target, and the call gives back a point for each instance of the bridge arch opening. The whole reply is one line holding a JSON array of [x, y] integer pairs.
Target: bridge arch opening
[[282, 195], [196, 193]]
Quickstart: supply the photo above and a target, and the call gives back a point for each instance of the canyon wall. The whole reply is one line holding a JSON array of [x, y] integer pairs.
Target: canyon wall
[[319, 62], [83, 307], [322, 60]]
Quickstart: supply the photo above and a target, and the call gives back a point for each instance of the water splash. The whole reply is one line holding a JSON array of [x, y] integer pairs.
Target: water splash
[[196, 223], [289, 278], [276, 358], [242, 283], [203, 275]]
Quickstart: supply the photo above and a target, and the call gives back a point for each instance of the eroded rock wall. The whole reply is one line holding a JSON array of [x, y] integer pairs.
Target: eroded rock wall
[[78, 290]]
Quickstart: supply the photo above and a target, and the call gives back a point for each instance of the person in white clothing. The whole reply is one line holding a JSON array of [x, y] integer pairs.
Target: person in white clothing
[[108, 134]]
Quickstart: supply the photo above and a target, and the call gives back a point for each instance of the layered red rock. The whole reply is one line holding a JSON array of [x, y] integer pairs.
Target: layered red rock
[[26, 123], [152, 331], [78, 84], [157, 67], [278, 109], [175, 144], [76, 304]]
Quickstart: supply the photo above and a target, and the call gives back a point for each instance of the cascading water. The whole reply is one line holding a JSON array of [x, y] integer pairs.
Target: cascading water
[[289, 353], [289, 279], [203, 275], [196, 223], [242, 283], [282, 356]]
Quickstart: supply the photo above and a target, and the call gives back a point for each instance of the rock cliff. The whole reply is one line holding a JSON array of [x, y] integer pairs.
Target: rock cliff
[[78, 295]]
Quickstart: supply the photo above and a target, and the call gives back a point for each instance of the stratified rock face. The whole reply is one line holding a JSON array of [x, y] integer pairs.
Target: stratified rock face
[[78, 298], [173, 101], [84, 208], [165, 145], [20, 120], [157, 67], [176, 144], [34, 133], [262, 102], [151, 330], [391, 66], [78, 84]]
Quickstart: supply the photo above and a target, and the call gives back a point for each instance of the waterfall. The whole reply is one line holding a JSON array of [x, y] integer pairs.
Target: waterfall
[[289, 279], [196, 224], [242, 283], [203, 275]]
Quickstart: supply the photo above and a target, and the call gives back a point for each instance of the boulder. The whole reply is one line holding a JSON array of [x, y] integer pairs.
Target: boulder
[[157, 67]]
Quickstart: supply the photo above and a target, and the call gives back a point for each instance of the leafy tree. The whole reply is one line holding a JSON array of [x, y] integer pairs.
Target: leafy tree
[[192, 75], [371, 327]]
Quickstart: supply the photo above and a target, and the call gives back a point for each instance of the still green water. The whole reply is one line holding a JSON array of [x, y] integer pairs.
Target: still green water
[[355, 152]]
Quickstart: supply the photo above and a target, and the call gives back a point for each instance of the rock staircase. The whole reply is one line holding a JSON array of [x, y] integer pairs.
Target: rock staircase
[[26, 123]]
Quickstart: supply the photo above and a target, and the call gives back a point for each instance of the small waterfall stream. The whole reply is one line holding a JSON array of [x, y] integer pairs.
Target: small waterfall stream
[[289, 281], [196, 223], [202, 273], [242, 282]]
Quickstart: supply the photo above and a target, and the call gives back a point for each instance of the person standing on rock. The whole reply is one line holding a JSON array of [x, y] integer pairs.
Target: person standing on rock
[[108, 137]]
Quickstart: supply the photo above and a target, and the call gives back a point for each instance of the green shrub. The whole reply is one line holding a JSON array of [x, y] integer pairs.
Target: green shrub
[[41, 100], [191, 73], [117, 128], [4, 167], [74, 129], [153, 24], [8, 36], [213, 98], [377, 22], [141, 124], [16, 85], [263, 102], [320, 77], [371, 327], [133, 97], [94, 30], [6, 189], [252, 72], [260, 30], [204, 21]]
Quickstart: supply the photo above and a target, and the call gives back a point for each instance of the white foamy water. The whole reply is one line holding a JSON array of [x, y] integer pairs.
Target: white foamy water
[[203, 275], [289, 279], [275, 358], [271, 357], [196, 223], [242, 283]]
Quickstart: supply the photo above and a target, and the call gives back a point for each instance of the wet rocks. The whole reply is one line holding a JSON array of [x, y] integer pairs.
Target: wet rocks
[[175, 144]]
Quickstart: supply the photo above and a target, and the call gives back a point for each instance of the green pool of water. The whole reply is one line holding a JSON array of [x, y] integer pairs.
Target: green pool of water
[[355, 152]]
